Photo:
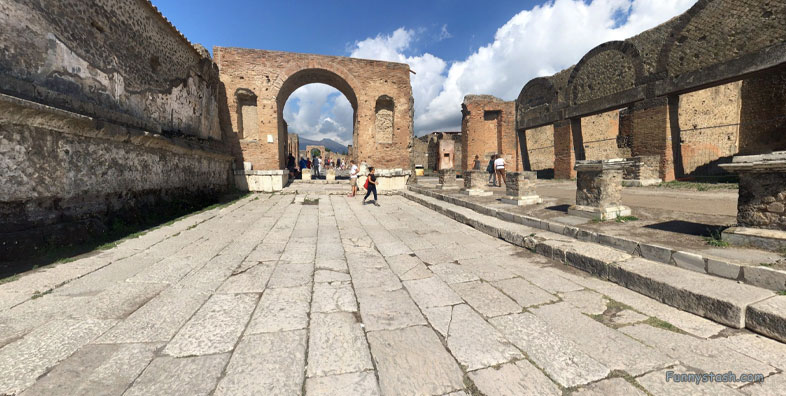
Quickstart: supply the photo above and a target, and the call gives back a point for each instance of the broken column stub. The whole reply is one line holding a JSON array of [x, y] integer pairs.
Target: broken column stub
[[761, 206], [520, 189], [599, 189], [447, 179], [475, 182]]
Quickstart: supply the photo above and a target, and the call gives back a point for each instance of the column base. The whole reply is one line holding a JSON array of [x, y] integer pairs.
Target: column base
[[762, 238], [522, 201], [477, 192], [591, 212], [641, 182]]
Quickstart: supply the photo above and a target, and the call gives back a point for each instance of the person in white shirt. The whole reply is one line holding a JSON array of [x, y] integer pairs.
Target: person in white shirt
[[353, 178], [499, 165]]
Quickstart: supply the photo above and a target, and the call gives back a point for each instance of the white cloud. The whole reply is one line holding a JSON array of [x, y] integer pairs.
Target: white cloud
[[533, 43], [444, 34], [319, 111]]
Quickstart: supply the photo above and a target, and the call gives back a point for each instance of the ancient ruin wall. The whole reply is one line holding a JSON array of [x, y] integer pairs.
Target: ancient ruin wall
[[540, 147], [488, 128], [600, 132], [105, 110]]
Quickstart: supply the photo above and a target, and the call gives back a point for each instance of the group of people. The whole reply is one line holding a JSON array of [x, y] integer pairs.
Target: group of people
[[495, 169], [316, 165]]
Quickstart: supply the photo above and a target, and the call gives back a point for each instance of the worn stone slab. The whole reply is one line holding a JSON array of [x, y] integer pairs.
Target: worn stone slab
[[291, 275], [23, 361], [266, 364], [159, 319], [388, 310], [439, 318], [432, 292], [331, 276], [559, 357], [655, 383], [364, 277], [765, 277], [281, 310], [336, 345], [699, 354], [546, 280], [523, 292], [486, 268], [475, 343], [721, 300], [453, 273], [333, 297], [351, 384], [413, 361], [608, 346], [773, 385], [759, 347], [514, 379], [689, 261], [96, 370], [657, 253], [179, 376], [215, 328], [586, 301], [627, 316], [251, 280], [119, 300], [723, 269], [768, 317], [486, 299], [611, 386]]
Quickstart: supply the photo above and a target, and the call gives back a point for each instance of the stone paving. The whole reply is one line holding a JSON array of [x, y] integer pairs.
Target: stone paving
[[281, 295]]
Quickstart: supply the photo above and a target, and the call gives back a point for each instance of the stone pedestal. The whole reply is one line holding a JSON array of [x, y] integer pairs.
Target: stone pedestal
[[330, 175], [520, 189], [447, 179], [599, 190], [761, 206], [475, 182], [305, 174], [642, 171]]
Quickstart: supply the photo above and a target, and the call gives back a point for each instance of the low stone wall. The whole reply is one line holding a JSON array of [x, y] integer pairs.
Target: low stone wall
[[261, 180], [762, 201], [476, 179], [388, 179]]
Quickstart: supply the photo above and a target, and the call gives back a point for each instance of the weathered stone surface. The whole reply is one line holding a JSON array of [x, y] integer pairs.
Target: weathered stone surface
[[268, 364], [119, 300], [689, 261], [586, 301], [330, 276], [333, 297], [388, 310], [280, 310], [655, 383], [352, 384], [336, 345], [439, 318], [96, 370], [768, 317], [560, 358], [413, 361], [453, 273], [549, 281], [486, 269], [252, 280], [215, 328], [431, 292], [519, 378], [486, 299], [611, 386], [475, 343], [291, 275], [180, 376], [766, 349], [23, 361], [772, 386], [626, 316]]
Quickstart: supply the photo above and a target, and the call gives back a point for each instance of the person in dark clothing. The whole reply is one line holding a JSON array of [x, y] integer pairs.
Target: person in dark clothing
[[372, 186], [302, 163], [476, 164]]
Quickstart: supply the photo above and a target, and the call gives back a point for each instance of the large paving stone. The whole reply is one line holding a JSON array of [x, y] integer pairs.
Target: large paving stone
[[439, 318], [291, 275], [159, 319], [281, 310], [432, 292], [721, 300], [611, 386], [333, 297], [759, 347], [408, 267], [525, 293], [773, 385], [559, 357], [336, 345], [266, 364], [215, 328], [453, 273], [546, 280], [768, 317], [388, 310], [655, 383], [23, 361], [586, 301], [486, 269], [324, 275], [96, 370], [475, 343], [412, 361], [250, 280], [486, 299], [351, 384], [179, 376], [119, 300], [514, 379], [372, 277], [606, 345]]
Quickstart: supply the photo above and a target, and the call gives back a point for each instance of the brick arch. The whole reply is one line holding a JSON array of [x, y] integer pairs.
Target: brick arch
[[333, 75], [610, 68], [537, 98]]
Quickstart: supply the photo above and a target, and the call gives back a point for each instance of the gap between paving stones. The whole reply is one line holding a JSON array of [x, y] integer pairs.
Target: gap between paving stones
[[725, 301]]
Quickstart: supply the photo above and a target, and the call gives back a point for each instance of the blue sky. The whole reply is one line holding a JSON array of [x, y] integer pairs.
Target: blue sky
[[456, 47]]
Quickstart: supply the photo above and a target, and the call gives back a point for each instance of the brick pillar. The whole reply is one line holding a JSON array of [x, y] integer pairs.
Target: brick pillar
[[652, 135], [564, 156]]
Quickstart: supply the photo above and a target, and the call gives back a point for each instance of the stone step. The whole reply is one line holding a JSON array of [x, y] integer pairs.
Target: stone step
[[725, 301]]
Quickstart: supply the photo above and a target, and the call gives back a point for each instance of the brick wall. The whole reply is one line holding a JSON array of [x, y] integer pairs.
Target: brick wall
[[488, 128], [564, 155], [540, 147], [600, 132], [652, 134]]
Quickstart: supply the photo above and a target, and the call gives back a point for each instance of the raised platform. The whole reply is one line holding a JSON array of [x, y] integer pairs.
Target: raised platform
[[261, 180]]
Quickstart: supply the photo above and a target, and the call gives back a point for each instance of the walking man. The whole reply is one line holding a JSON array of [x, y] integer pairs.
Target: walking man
[[499, 165], [353, 178]]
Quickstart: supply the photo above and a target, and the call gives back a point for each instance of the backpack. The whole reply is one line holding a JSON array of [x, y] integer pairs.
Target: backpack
[[365, 185]]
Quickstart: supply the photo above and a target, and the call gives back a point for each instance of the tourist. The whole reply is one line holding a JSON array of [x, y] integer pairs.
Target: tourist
[[302, 164], [317, 162], [372, 186], [308, 163], [353, 178], [490, 170], [476, 165], [499, 166]]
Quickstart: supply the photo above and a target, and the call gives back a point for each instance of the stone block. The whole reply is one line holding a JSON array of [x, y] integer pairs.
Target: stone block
[[626, 245], [723, 269], [522, 200], [520, 184], [689, 261], [599, 213], [656, 253], [305, 174], [330, 175], [757, 237], [768, 317], [763, 276]]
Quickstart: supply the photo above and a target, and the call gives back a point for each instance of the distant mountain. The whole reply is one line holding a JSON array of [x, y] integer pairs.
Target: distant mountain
[[329, 144]]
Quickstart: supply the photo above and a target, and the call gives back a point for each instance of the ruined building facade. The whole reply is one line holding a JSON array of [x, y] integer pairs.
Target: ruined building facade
[[488, 128]]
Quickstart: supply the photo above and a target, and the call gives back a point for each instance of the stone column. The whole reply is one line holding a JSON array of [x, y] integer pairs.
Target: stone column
[[520, 189], [305, 174], [447, 179], [475, 183], [564, 157], [599, 190], [761, 206], [652, 133]]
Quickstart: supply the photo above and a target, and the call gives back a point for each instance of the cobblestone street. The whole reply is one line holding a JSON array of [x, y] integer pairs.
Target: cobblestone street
[[320, 295]]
